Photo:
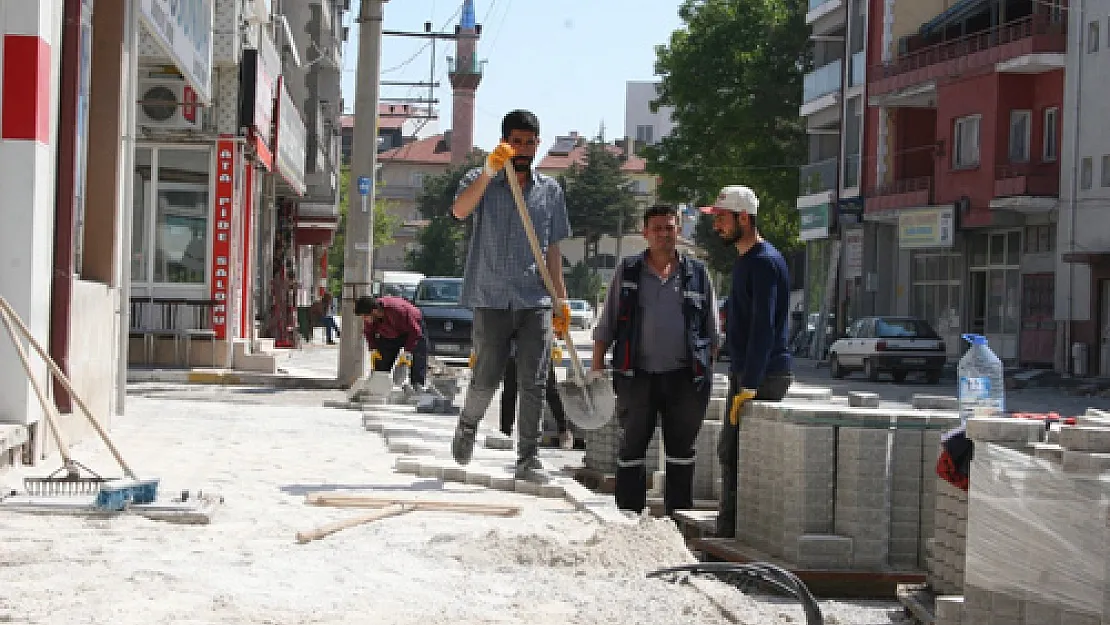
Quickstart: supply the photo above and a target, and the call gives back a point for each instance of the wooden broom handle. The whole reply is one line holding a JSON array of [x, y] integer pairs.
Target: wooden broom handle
[[61, 377], [322, 531]]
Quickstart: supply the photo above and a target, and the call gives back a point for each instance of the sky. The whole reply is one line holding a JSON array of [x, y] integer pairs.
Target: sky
[[565, 60]]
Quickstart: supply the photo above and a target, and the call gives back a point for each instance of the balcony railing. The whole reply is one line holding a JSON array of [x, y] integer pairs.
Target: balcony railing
[[909, 192], [1023, 179], [818, 177], [858, 68], [1028, 35], [467, 66], [822, 81]]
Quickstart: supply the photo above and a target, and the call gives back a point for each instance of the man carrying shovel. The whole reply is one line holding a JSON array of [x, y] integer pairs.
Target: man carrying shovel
[[758, 319], [502, 285], [660, 316]]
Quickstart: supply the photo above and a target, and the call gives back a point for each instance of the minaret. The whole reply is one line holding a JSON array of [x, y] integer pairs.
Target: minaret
[[465, 73]]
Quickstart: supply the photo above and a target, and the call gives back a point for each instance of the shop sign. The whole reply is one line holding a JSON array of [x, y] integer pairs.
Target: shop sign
[[221, 239], [926, 228], [260, 71], [814, 222], [853, 253], [183, 28], [290, 141]]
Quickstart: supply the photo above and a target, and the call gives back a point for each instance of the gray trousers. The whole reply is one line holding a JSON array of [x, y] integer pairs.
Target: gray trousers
[[494, 332]]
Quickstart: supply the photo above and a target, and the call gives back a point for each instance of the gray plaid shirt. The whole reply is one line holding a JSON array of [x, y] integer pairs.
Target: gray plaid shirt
[[500, 268]]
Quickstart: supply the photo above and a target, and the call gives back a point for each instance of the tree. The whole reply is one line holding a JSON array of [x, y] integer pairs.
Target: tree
[[384, 226], [441, 249], [597, 194], [734, 74], [584, 283]]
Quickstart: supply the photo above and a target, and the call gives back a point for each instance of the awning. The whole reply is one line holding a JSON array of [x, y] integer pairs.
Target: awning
[[953, 15]]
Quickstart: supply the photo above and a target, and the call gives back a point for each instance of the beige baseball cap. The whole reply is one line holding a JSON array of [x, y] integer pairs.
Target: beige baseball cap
[[734, 199]]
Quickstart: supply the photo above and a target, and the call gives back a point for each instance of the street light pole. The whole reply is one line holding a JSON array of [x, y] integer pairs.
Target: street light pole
[[359, 244]]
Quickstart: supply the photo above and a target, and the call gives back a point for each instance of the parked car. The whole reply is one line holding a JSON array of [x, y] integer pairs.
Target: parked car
[[894, 345], [448, 323], [581, 313]]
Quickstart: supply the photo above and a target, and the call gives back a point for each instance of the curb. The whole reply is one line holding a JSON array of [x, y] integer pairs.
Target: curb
[[225, 377]]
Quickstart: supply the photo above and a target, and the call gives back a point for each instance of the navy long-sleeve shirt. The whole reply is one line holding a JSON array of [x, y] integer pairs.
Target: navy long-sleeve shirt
[[758, 315]]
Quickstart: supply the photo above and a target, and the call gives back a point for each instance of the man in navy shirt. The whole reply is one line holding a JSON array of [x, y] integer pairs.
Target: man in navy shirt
[[758, 316]]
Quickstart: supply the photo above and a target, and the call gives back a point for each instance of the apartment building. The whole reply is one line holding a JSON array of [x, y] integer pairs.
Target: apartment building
[[640, 122], [961, 167]]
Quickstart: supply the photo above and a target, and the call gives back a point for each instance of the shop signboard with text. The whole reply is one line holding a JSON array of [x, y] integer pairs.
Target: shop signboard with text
[[183, 29], [259, 73], [220, 280], [927, 228], [290, 141], [814, 222]]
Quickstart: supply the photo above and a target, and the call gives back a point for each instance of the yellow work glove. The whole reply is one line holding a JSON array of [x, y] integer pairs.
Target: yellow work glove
[[496, 160], [556, 353], [738, 400], [470, 361], [404, 359], [560, 319], [374, 357]]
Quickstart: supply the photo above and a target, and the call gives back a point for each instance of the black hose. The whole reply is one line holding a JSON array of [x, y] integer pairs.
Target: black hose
[[769, 575]]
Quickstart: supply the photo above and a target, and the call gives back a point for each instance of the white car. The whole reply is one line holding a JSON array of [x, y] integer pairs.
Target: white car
[[894, 345], [581, 313]]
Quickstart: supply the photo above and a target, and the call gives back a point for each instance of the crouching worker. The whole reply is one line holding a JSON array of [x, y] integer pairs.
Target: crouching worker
[[390, 324]]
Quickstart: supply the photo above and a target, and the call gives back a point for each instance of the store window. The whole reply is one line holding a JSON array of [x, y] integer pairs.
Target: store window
[[170, 236], [995, 288]]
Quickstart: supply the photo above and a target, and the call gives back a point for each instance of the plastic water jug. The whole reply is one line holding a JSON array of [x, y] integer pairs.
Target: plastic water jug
[[982, 390]]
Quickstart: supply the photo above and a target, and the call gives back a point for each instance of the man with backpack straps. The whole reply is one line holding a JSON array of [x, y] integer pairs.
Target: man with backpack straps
[[660, 318]]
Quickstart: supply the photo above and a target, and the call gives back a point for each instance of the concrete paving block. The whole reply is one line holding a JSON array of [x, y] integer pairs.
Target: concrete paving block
[[503, 482], [1085, 438], [553, 490], [497, 440], [1048, 451], [949, 609], [525, 487], [408, 466], [809, 393], [1005, 430], [863, 399], [431, 470], [454, 474], [478, 477], [934, 402]]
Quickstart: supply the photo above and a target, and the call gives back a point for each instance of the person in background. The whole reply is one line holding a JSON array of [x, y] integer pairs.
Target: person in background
[[501, 284], [322, 313], [660, 316], [758, 319], [508, 402], [390, 324]]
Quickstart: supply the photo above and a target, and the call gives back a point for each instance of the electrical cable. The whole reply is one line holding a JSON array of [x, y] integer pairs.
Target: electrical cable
[[744, 576]]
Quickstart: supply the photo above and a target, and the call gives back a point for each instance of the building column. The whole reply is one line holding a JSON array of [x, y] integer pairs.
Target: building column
[[29, 81]]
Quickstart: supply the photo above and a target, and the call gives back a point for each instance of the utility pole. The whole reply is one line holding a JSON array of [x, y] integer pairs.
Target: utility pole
[[359, 245]]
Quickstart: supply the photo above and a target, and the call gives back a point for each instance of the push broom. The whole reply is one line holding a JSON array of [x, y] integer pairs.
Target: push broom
[[115, 494]]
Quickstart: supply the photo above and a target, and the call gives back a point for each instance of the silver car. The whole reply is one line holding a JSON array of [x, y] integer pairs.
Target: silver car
[[894, 345]]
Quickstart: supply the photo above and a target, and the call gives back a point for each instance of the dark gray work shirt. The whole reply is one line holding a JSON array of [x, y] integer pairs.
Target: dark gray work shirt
[[662, 345], [501, 269]]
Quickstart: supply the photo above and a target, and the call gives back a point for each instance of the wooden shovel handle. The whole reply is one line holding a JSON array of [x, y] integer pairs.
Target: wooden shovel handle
[[541, 264], [328, 529]]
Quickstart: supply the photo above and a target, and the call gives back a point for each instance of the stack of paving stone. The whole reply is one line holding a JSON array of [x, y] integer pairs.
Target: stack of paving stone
[[603, 447], [834, 486], [947, 548], [1038, 541]]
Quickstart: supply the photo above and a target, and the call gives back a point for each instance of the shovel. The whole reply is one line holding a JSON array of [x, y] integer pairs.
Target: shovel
[[589, 405]]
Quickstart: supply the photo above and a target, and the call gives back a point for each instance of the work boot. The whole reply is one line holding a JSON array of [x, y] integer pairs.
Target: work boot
[[531, 470], [462, 446]]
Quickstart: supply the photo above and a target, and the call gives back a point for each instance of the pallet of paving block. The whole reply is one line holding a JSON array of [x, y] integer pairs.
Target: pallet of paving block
[[825, 583], [196, 511], [696, 523], [918, 601]]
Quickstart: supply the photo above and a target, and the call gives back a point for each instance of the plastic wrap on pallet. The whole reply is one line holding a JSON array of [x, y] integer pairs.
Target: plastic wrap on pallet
[[1036, 533]]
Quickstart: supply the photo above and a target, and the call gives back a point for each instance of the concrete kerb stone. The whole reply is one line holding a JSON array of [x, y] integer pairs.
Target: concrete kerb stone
[[1085, 438], [862, 399]]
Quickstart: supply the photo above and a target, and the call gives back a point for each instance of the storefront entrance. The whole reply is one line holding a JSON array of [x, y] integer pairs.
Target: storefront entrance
[[995, 293]]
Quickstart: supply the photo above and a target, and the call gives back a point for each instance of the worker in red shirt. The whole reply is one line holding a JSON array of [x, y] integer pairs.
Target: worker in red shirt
[[389, 324]]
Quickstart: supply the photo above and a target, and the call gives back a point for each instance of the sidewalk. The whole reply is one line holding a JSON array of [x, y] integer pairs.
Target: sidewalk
[[263, 449]]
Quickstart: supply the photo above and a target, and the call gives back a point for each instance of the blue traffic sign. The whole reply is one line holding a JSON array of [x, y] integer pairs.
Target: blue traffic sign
[[364, 185]]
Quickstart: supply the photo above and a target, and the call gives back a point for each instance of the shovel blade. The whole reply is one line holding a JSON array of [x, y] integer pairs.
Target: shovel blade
[[589, 407]]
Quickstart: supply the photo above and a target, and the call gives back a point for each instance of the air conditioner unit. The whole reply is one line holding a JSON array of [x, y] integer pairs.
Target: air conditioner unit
[[170, 105]]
